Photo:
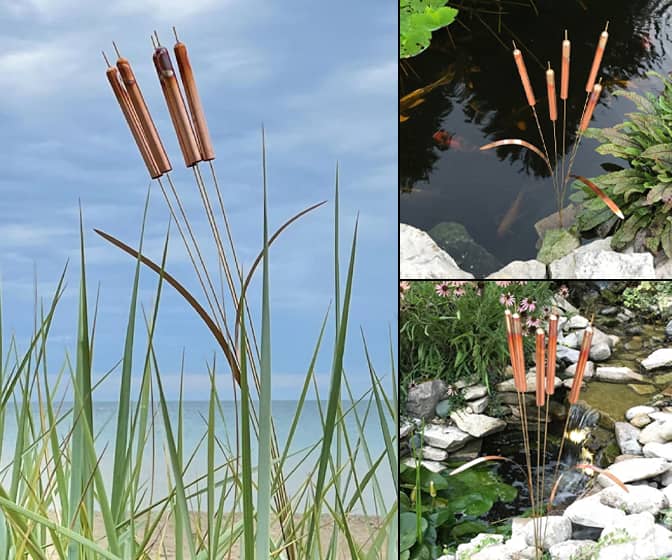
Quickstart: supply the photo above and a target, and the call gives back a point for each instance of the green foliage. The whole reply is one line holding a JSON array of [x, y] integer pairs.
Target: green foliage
[[648, 298], [462, 334], [644, 190], [417, 20], [439, 511]]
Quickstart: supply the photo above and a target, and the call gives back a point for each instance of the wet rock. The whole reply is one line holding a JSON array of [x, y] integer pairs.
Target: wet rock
[[642, 389], [596, 259], [449, 438], [662, 450], [480, 542], [477, 425], [470, 451], [422, 398], [634, 330], [617, 374], [429, 465], [641, 420], [571, 549], [637, 410], [479, 405], [658, 359], [474, 392], [454, 239], [420, 257], [638, 499], [634, 469], [626, 437], [509, 385], [555, 528], [592, 513], [434, 454], [657, 431], [588, 372], [633, 345], [520, 270]]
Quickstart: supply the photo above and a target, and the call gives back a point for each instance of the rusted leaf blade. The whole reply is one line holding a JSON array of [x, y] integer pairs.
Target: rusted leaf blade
[[516, 142], [605, 472], [477, 461], [599, 192]]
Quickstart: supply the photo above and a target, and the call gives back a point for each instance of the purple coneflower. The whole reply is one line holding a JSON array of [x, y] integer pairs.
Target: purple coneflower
[[531, 306], [524, 305], [508, 300], [532, 323], [403, 288], [563, 291], [503, 283], [459, 292], [442, 289]]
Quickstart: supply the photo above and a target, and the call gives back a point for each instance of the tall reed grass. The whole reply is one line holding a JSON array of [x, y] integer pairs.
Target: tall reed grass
[[53, 495]]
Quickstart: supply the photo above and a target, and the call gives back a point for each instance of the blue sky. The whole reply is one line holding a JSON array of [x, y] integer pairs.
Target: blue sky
[[322, 79]]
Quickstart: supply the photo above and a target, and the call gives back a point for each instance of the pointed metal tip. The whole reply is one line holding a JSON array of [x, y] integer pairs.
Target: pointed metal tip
[[566, 35], [116, 49], [514, 45], [175, 32], [606, 27], [106, 60]]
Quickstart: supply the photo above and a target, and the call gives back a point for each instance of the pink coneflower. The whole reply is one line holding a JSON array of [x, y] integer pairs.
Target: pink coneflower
[[563, 291], [403, 288], [522, 282], [459, 292], [531, 306], [532, 323], [503, 283], [524, 305], [459, 283], [442, 289], [508, 300]]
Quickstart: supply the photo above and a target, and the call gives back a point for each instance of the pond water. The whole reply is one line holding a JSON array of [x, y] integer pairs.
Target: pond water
[[499, 195]]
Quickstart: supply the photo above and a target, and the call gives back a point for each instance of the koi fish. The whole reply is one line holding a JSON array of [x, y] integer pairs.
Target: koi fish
[[511, 215], [445, 140]]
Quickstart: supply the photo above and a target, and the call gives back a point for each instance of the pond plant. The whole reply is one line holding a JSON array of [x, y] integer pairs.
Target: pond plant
[[417, 20], [559, 170], [644, 189]]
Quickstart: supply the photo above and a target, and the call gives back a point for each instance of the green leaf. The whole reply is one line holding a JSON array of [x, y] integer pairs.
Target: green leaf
[[660, 152], [417, 20], [408, 530], [642, 103]]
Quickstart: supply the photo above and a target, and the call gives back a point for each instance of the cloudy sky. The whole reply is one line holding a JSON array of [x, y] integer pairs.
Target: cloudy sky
[[322, 79]]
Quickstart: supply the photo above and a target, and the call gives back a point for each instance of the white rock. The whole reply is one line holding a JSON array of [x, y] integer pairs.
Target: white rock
[[434, 454], [598, 338], [567, 354], [617, 374], [641, 420], [474, 392], [658, 359], [660, 432], [661, 416], [482, 541], [477, 425], [637, 410], [420, 257], [520, 270], [655, 449], [496, 552], [597, 260], [637, 499], [449, 438], [405, 429], [577, 322], [592, 513], [626, 437], [429, 465], [666, 480], [509, 385], [555, 528], [638, 532], [570, 340], [634, 469], [600, 352], [569, 550], [588, 372], [478, 406]]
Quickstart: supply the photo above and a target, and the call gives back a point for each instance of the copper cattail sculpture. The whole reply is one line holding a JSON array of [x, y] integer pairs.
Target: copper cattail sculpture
[[593, 90]]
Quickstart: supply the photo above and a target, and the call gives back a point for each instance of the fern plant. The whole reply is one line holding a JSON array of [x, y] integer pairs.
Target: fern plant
[[644, 190]]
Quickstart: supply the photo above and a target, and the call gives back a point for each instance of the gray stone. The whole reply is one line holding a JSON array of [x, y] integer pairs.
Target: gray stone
[[555, 529], [455, 240], [634, 469], [641, 420], [520, 270], [443, 408], [599, 337], [434, 454], [637, 499], [478, 406], [405, 429], [600, 352], [626, 436], [569, 550], [570, 340], [567, 354], [596, 260], [658, 359], [592, 513], [562, 304], [655, 449], [637, 410], [617, 374], [429, 465], [609, 311], [588, 372], [449, 438], [509, 385], [668, 329], [474, 392], [577, 322], [477, 425], [659, 432], [469, 452], [422, 398], [421, 258]]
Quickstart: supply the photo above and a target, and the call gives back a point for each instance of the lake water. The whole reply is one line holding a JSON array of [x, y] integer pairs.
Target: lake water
[[483, 101], [195, 414]]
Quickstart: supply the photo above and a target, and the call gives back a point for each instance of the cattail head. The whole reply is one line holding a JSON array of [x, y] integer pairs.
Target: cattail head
[[581, 365], [597, 60], [550, 86], [540, 365], [592, 103], [564, 78], [524, 78], [521, 384], [552, 348]]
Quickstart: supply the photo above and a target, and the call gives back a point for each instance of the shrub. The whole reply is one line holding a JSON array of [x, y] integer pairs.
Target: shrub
[[644, 190]]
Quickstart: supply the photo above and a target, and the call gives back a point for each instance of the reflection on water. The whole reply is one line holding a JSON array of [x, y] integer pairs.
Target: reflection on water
[[482, 100]]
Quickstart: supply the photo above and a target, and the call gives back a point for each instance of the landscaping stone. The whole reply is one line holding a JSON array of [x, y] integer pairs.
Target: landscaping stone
[[429, 465], [577, 322], [443, 408], [658, 359], [660, 432], [422, 398], [474, 392], [641, 420], [592, 513], [405, 429], [479, 405], [571, 549], [626, 437], [588, 372], [565, 354], [637, 410], [634, 469], [449, 438], [555, 528], [638, 499], [600, 352], [642, 389], [520, 270], [477, 425], [617, 374], [434, 454], [480, 542], [509, 385], [420, 257], [655, 449], [470, 451]]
